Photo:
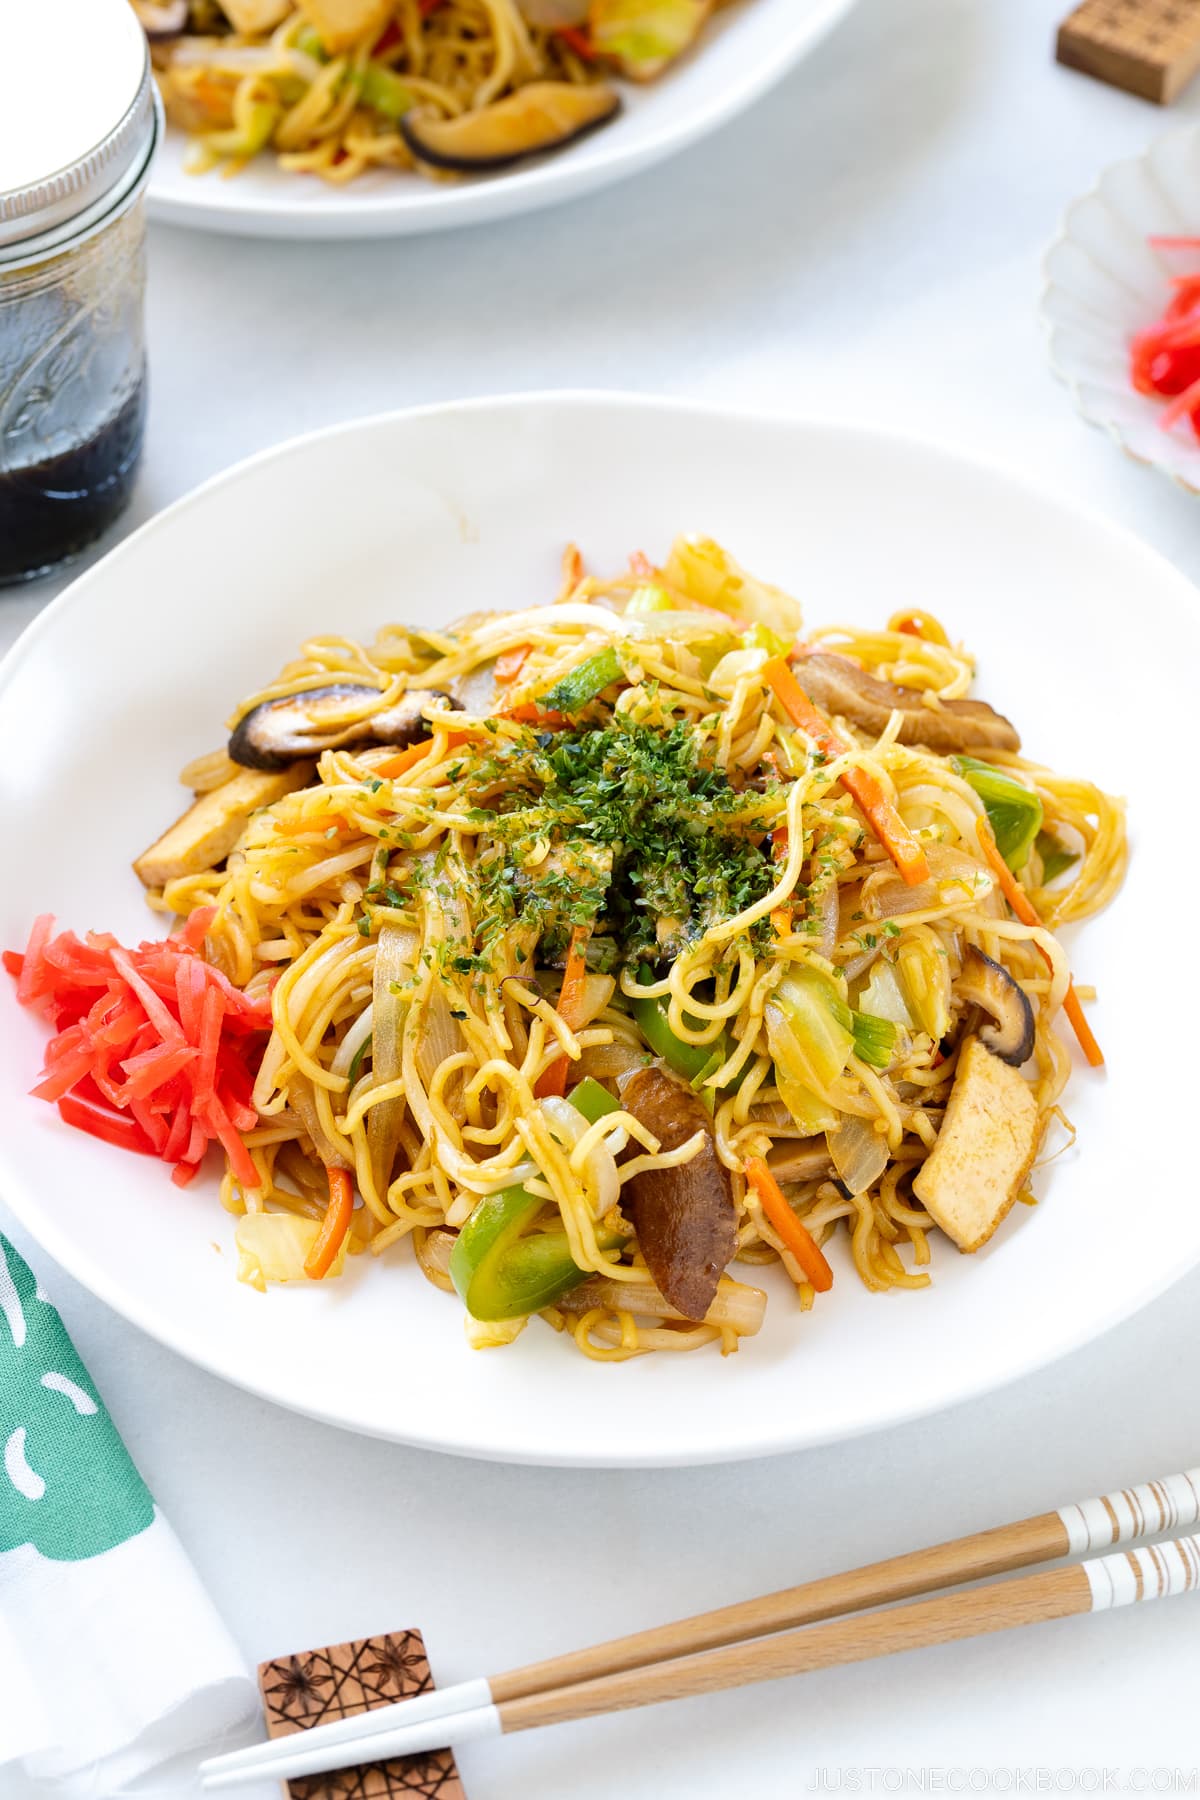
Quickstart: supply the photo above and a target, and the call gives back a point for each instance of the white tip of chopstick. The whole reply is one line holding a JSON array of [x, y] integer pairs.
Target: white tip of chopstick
[[380, 1746], [335, 1742]]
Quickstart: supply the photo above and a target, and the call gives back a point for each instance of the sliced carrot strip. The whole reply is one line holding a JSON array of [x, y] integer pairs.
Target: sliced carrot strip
[[862, 786], [553, 1078], [796, 1237], [510, 663], [334, 1225], [1025, 910]]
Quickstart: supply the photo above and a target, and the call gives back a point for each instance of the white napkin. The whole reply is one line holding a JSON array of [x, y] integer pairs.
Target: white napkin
[[112, 1658]]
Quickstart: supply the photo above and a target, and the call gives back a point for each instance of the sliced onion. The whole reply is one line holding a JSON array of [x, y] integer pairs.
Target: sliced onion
[[215, 53], [598, 990], [568, 1126], [476, 690], [884, 997], [888, 896], [735, 1304], [493, 1184], [395, 959], [679, 625], [733, 665], [300, 1099], [828, 914], [162, 21], [603, 1061], [306, 67], [440, 1036], [537, 618], [860, 1154], [352, 1043]]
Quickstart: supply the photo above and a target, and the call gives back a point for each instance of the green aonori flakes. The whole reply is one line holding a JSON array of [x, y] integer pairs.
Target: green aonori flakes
[[625, 829]]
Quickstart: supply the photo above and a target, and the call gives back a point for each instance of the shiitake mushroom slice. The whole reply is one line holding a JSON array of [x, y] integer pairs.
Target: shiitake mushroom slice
[[279, 732], [1010, 1029], [545, 115]]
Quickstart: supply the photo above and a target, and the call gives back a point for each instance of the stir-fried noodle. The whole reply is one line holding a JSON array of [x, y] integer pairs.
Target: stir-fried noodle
[[618, 847]]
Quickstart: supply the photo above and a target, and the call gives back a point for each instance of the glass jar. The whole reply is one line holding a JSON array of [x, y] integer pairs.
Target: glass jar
[[72, 270]]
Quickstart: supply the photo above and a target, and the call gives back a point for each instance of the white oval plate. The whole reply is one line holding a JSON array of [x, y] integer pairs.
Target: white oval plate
[[428, 514], [746, 49]]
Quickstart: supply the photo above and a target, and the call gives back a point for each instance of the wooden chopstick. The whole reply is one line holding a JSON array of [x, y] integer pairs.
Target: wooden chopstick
[[712, 1648], [1150, 1573]]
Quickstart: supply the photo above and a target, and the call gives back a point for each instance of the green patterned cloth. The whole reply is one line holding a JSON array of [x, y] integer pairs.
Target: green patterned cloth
[[70, 1487], [92, 1577]]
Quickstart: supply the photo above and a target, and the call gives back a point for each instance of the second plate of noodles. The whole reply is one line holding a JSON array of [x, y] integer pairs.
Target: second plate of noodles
[[346, 118], [613, 949], [333, 88]]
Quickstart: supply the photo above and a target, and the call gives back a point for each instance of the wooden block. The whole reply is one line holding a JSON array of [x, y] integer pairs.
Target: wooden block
[[1148, 47], [315, 1686]]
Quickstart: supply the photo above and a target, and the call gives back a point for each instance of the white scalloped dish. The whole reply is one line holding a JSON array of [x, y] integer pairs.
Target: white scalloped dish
[[1104, 282]]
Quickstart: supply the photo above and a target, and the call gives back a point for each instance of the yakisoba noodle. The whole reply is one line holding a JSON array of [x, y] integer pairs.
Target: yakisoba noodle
[[615, 781], [328, 84]]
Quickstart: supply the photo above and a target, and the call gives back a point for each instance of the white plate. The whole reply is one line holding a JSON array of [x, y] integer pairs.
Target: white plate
[[744, 51], [1104, 282], [425, 515]]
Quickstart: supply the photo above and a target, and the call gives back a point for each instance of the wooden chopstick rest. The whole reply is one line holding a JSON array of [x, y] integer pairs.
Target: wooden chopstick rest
[[1147, 47], [346, 1681]]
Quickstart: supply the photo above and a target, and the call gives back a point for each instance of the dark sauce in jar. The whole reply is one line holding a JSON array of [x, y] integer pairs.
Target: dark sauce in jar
[[52, 510]]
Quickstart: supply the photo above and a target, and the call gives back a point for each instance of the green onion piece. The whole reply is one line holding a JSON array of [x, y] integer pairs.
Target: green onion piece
[[385, 92], [644, 35], [356, 1061], [761, 637], [250, 136], [874, 1039], [1056, 858], [1014, 812], [307, 40], [649, 598], [583, 684]]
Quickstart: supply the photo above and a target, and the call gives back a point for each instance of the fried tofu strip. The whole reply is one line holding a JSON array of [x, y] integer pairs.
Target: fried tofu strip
[[984, 1150], [251, 16], [210, 828], [341, 23]]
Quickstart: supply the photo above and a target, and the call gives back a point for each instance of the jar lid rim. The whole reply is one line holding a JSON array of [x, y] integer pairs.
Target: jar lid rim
[[119, 119]]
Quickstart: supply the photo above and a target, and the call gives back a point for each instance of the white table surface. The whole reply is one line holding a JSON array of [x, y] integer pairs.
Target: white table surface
[[865, 245]]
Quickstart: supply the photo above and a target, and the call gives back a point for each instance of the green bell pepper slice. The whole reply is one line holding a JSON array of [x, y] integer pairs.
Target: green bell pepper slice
[[532, 1274], [592, 1100], [247, 139], [497, 1273], [479, 1250], [689, 1060]]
